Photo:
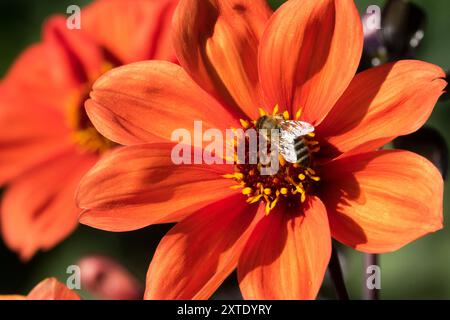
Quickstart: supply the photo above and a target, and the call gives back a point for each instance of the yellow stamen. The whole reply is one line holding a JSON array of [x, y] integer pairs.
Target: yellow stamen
[[229, 159], [301, 176], [298, 114], [290, 180], [247, 191], [311, 174], [270, 206], [267, 191], [316, 149], [284, 191], [92, 141], [262, 112], [84, 134], [254, 199], [299, 188], [286, 115], [244, 123], [267, 208], [281, 160], [236, 175], [312, 143], [275, 110]]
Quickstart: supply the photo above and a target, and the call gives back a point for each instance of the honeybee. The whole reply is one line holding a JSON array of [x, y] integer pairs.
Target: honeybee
[[291, 143]]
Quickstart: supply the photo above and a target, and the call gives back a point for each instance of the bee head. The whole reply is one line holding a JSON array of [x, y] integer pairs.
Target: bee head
[[267, 122]]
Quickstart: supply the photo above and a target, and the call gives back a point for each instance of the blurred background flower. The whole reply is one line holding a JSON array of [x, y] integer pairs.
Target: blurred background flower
[[420, 270], [47, 289], [46, 138], [106, 279]]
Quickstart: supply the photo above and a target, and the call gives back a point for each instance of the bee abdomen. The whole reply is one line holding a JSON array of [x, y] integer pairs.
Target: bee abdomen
[[302, 152]]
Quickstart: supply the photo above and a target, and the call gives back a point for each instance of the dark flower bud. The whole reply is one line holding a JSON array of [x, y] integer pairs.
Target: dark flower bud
[[403, 28], [446, 95], [375, 52]]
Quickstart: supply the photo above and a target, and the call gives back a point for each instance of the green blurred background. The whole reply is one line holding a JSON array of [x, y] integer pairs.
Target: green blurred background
[[421, 270]]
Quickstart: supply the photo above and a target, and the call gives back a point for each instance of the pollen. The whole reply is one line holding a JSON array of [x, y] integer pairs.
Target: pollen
[[290, 185]]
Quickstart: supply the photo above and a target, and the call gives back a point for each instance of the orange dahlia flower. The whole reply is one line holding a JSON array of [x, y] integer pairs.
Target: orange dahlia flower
[[47, 142], [237, 57], [48, 289]]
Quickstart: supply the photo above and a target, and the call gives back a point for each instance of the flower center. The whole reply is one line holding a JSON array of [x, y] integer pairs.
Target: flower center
[[83, 131], [291, 183]]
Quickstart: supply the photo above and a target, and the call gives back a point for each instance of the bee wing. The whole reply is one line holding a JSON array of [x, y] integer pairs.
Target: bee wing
[[291, 130], [287, 150]]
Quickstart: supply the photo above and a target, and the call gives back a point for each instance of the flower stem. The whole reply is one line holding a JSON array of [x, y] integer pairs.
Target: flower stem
[[368, 293], [336, 275]]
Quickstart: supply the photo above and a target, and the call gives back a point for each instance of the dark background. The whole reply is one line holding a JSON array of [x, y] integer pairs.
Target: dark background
[[420, 270]]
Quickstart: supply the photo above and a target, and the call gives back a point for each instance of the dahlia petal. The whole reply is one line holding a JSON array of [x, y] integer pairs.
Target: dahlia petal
[[12, 297], [52, 289], [146, 101], [217, 43], [137, 186], [27, 74], [78, 55], [132, 30], [287, 255], [309, 53], [197, 255], [381, 104], [380, 201], [38, 209], [26, 137]]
